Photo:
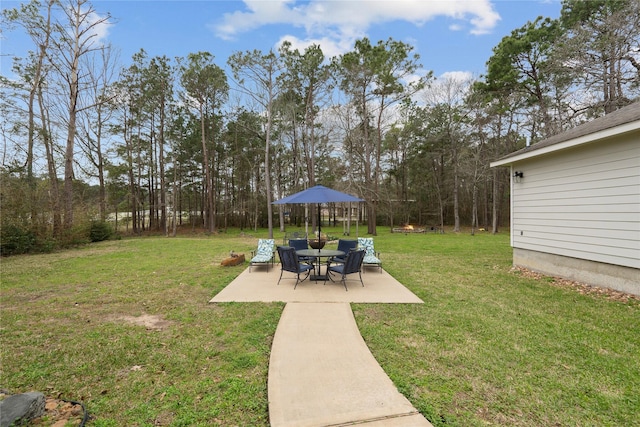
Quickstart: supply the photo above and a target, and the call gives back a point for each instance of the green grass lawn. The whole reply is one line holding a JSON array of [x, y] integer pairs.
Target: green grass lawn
[[488, 347]]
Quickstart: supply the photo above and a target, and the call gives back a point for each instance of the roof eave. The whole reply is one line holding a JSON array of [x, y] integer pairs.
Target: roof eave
[[585, 139]]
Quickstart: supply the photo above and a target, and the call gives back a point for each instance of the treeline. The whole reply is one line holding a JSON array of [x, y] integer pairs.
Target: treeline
[[175, 141]]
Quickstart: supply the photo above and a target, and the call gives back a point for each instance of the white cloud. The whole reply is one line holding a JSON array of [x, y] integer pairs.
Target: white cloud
[[341, 22], [460, 76], [259, 13], [331, 47], [101, 26], [96, 25]]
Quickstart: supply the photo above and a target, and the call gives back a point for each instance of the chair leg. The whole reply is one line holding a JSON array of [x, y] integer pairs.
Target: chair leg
[[281, 271], [360, 274], [328, 276], [344, 282], [298, 280]]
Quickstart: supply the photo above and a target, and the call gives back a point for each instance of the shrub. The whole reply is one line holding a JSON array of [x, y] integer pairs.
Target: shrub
[[99, 231], [15, 240], [45, 245]]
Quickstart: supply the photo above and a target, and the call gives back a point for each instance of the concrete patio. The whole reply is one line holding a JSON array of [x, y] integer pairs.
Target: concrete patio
[[260, 285]]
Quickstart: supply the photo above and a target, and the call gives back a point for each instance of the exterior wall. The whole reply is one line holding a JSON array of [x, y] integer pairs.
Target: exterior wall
[[581, 203], [624, 279]]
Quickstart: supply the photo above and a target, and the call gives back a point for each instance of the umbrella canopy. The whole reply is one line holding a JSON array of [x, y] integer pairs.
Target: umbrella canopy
[[317, 194]]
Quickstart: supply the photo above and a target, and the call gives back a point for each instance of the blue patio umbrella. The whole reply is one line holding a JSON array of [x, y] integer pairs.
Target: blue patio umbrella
[[318, 194]]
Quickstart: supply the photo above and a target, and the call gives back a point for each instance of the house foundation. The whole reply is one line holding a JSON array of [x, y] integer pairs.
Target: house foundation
[[619, 278]]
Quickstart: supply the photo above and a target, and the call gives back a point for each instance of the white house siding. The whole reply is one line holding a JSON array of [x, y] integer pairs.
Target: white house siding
[[581, 202]]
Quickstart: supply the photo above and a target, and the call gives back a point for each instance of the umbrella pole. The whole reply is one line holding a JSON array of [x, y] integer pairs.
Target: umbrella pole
[[306, 220], [319, 228]]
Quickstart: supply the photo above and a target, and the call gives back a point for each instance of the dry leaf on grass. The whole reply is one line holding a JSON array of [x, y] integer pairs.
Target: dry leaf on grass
[[583, 288]]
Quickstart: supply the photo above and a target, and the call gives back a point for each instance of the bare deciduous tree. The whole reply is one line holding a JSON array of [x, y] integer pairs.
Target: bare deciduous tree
[[77, 37]]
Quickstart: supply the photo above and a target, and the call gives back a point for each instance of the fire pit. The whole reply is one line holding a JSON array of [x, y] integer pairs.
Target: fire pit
[[408, 228], [317, 244]]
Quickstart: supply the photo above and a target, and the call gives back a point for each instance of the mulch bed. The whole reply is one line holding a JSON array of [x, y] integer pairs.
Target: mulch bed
[[582, 288]]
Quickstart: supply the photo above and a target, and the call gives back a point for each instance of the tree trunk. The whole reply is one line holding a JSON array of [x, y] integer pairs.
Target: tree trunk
[[100, 165], [163, 187], [69, 151], [208, 187], [456, 207], [267, 168], [474, 206], [54, 192], [174, 201], [496, 201]]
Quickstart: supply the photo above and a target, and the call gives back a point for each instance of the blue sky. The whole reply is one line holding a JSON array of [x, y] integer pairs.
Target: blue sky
[[451, 36]]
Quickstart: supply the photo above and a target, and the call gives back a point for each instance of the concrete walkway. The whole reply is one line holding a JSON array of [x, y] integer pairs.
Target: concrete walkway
[[321, 372]]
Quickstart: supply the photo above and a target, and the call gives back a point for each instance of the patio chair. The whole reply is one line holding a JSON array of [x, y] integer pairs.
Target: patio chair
[[264, 254], [352, 264], [289, 262], [371, 257], [300, 244], [345, 246]]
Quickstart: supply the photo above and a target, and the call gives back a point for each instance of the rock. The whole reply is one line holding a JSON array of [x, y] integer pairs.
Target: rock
[[233, 260], [20, 408]]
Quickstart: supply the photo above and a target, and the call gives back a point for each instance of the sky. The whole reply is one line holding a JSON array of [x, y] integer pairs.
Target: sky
[[451, 36]]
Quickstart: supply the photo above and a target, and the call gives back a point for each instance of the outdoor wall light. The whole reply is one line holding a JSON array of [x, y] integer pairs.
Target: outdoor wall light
[[517, 176]]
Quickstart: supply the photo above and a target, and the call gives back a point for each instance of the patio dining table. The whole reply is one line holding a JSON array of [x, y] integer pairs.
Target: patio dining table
[[319, 253]]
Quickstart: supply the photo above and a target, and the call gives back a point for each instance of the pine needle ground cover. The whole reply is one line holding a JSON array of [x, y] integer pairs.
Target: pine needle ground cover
[[126, 327]]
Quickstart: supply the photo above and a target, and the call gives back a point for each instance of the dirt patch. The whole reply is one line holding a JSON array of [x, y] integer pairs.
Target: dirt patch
[[150, 321], [582, 288], [60, 413]]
